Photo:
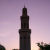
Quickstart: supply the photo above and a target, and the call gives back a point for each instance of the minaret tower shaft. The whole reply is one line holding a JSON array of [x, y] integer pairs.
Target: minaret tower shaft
[[25, 32]]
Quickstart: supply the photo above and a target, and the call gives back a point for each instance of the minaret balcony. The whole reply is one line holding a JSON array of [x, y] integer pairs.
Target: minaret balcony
[[24, 31]]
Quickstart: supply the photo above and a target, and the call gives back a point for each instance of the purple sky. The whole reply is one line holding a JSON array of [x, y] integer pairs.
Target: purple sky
[[10, 12]]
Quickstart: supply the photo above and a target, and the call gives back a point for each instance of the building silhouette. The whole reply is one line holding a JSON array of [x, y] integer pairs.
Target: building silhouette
[[25, 32]]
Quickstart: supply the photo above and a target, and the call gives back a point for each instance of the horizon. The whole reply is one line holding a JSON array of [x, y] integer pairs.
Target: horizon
[[39, 22]]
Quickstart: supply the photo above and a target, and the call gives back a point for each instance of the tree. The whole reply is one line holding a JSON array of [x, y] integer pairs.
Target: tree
[[2, 47], [43, 46]]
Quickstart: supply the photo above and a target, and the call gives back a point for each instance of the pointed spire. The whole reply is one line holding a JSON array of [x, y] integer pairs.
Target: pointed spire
[[24, 6], [24, 10]]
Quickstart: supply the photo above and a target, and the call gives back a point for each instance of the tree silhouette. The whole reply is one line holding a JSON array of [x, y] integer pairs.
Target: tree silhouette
[[43, 46], [2, 47]]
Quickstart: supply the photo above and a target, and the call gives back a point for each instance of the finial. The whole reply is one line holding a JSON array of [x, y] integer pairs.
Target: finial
[[24, 6]]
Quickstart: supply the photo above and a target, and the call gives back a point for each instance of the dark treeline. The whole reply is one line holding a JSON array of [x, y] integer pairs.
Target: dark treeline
[[42, 46]]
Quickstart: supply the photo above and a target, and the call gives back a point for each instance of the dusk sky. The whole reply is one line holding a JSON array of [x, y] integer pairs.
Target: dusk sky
[[39, 23]]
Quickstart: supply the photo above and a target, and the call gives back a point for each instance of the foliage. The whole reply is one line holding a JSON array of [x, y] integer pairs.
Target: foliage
[[43, 46], [2, 47]]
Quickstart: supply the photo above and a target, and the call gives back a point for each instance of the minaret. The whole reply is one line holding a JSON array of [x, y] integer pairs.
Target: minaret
[[25, 32]]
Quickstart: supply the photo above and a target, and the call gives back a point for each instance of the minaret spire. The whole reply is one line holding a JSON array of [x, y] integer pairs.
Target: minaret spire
[[24, 6], [25, 32], [24, 11]]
